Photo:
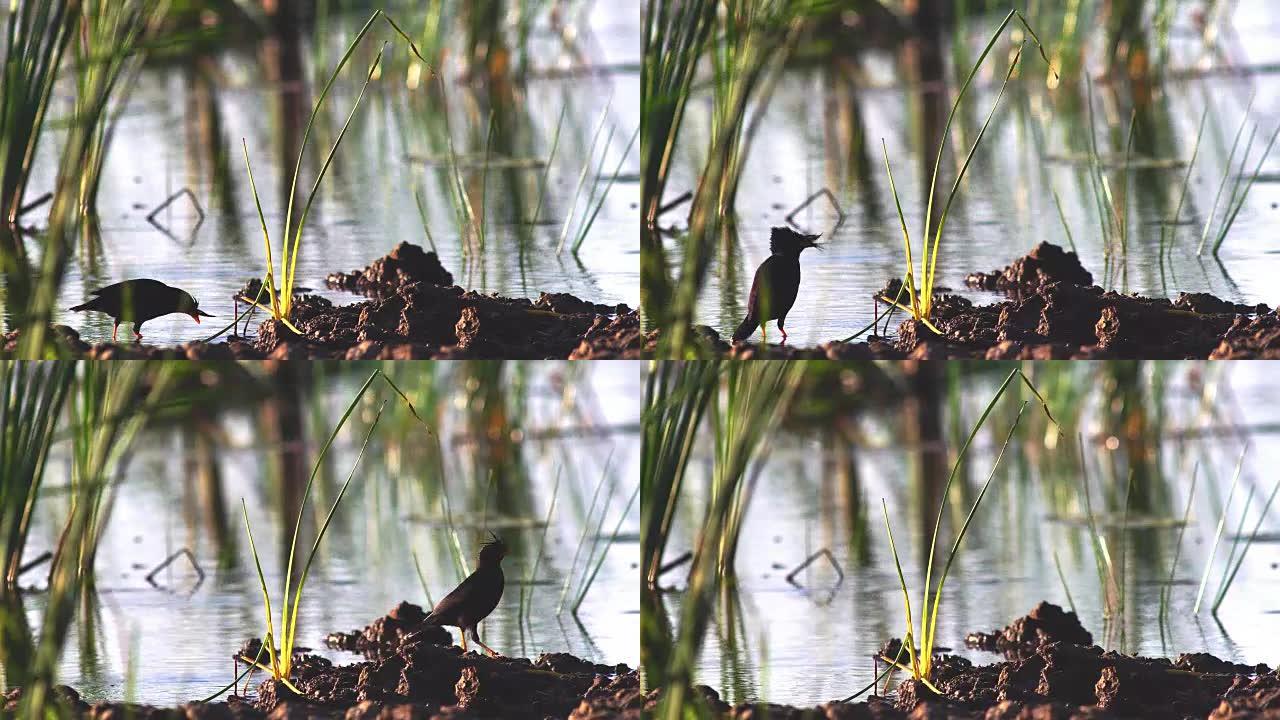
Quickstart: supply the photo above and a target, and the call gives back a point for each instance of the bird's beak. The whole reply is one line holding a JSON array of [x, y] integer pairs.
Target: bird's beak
[[813, 241], [197, 314]]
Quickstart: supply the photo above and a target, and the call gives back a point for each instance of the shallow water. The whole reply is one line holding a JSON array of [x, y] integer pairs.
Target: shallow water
[[811, 135], [180, 639], [814, 644], [183, 125]]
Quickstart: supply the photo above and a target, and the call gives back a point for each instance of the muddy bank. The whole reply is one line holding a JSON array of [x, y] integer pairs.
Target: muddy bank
[[413, 311], [708, 342], [1052, 671], [419, 679], [1053, 311]]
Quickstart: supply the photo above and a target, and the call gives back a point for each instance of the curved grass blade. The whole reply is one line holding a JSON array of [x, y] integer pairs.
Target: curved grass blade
[[909, 282], [269, 641], [286, 287], [266, 238], [909, 640], [291, 635], [931, 631], [927, 289]]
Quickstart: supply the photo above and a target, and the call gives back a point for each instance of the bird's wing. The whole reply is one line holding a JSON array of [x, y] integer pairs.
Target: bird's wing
[[449, 603], [761, 299], [131, 286], [785, 279], [110, 290]]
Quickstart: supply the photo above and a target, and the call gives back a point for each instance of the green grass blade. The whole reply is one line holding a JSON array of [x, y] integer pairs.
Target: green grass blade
[[955, 469], [586, 170], [930, 632], [1062, 216], [1167, 590], [306, 493], [1186, 180], [909, 641], [269, 282], [269, 640], [909, 281], [286, 287], [1222, 593], [546, 172], [603, 553], [422, 579], [590, 220], [928, 278], [1234, 209], [1217, 198], [1063, 579], [306, 133], [542, 541], [1217, 536], [292, 631]]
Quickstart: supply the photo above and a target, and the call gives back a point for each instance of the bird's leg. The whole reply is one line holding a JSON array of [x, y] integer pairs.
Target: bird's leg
[[784, 332], [463, 633], [137, 336], [764, 334], [476, 636], [115, 327]]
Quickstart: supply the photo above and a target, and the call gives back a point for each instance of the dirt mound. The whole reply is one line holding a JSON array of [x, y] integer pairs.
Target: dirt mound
[[386, 634], [406, 263], [1056, 313], [1256, 338], [1046, 263], [709, 343], [443, 681], [425, 320], [1045, 623]]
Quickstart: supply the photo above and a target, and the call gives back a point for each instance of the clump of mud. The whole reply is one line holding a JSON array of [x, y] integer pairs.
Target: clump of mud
[[1046, 263], [407, 681], [235, 708], [415, 312], [708, 342], [1045, 623], [422, 320], [406, 263], [1057, 673], [1055, 312], [386, 634], [1256, 338], [64, 341]]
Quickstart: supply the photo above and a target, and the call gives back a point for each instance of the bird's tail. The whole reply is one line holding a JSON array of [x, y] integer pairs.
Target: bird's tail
[[91, 305], [747, 328], [429, 622]]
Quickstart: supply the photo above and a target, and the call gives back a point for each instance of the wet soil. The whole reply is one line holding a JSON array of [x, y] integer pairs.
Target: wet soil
[[1053, 311], [413, 311], [421, 678], [1052, 671]]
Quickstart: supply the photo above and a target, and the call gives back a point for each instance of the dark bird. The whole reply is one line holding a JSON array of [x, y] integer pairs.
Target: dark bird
[[475, 598], [138, 301], [777, 281]]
